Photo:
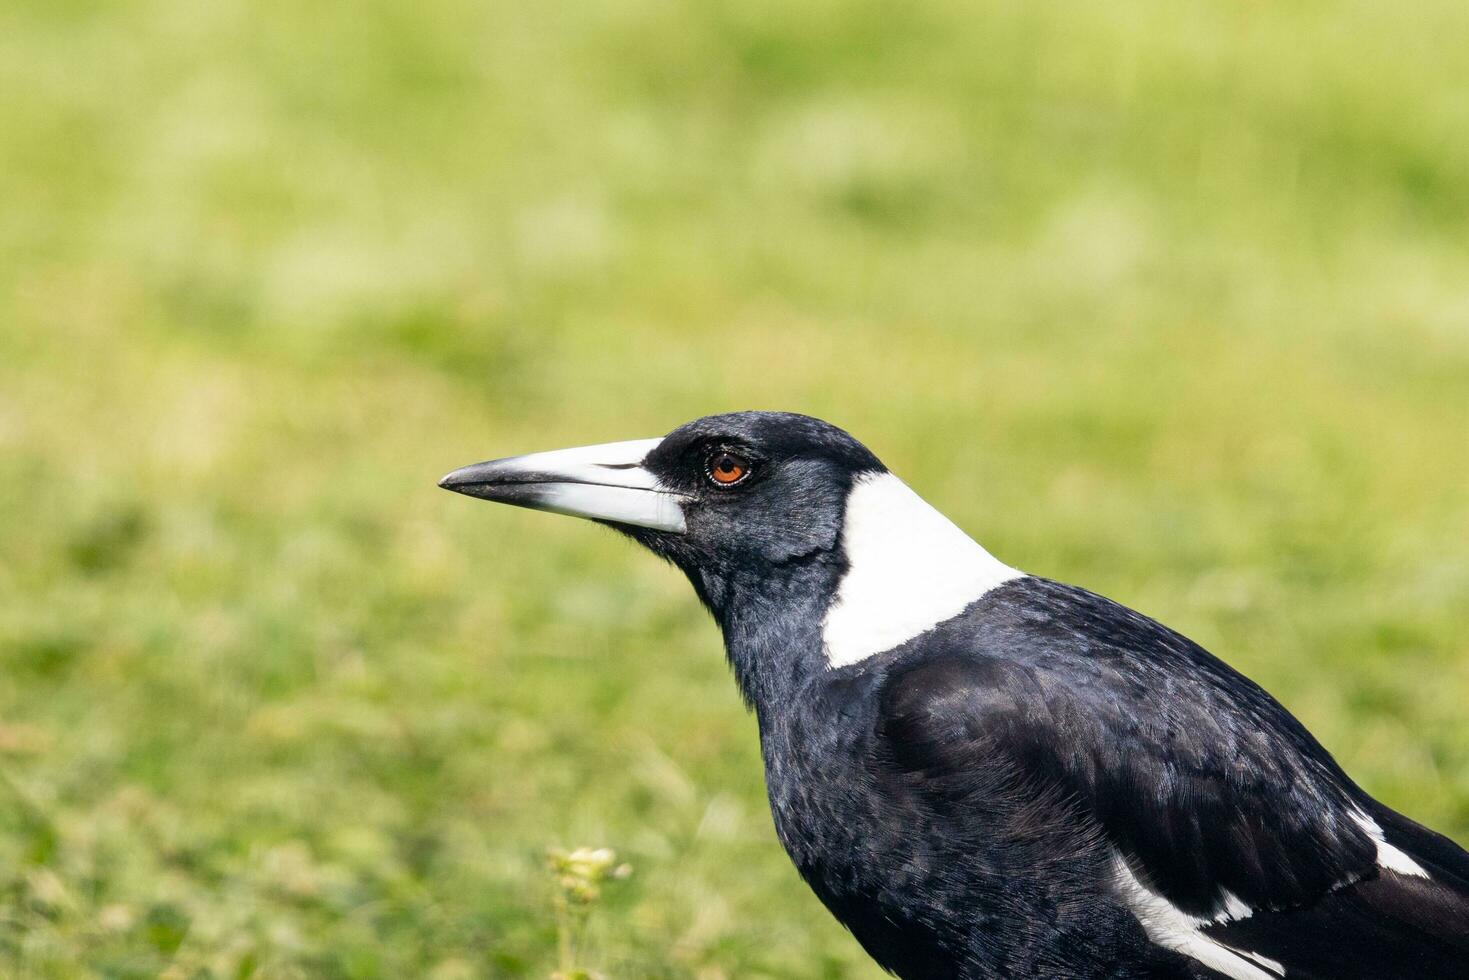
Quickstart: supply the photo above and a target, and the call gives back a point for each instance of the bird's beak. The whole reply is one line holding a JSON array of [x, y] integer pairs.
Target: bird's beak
[[603, 483]]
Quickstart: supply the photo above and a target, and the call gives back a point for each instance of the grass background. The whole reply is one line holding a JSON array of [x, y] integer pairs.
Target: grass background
[[1171, 301]]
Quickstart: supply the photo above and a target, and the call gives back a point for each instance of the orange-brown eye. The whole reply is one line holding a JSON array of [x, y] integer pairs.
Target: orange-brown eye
[[727, 469]]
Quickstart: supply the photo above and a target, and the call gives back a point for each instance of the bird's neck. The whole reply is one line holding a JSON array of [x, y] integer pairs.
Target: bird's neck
[[899, 569], [772, 629], [909, 568]]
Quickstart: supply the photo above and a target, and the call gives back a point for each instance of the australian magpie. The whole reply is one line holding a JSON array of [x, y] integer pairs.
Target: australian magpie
[[985, 774]]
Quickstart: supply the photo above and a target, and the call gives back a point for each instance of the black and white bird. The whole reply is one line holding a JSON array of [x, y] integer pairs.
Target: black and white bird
[[985, 774]]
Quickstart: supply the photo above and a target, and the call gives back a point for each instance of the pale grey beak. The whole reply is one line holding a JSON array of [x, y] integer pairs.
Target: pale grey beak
[[603, 483]]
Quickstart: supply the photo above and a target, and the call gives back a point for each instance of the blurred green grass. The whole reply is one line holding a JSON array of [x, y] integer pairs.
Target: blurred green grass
[[1172, 302]]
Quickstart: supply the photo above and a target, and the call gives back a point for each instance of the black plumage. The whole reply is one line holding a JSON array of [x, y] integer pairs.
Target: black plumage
[[1040, 783], [1048, 715]]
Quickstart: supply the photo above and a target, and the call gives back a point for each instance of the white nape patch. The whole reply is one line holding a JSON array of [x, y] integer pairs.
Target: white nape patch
[[1389, 857], [908, 569], [1172, 928]]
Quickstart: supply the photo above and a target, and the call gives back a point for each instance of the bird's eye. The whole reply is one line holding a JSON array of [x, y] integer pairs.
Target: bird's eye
[[726, 469]]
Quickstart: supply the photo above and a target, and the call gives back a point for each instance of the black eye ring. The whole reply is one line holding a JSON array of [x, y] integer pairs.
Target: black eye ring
[[726, 469]]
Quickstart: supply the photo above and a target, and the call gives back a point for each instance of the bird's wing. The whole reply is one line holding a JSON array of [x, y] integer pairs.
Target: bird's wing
[[1233, 835]]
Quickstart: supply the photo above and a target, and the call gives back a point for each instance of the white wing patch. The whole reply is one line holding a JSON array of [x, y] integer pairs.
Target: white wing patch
[[1231, 909], [1172, 928], [909, 568], [1389, 857]]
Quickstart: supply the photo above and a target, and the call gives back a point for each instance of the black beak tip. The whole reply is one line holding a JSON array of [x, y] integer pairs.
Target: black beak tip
[[481, 481], [461, 480]]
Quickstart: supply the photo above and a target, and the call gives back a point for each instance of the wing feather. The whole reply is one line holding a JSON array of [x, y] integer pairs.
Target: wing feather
[[1213, 796]]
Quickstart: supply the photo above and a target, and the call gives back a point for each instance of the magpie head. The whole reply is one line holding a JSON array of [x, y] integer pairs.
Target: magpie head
[[731, 499]]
